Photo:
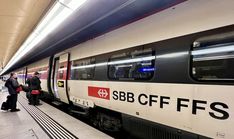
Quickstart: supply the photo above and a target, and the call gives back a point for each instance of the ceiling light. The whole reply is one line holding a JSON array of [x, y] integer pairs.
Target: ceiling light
[[132, 60], [56, 15], [222, 49]]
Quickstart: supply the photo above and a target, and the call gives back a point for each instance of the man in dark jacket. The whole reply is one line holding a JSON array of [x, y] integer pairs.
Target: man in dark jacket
[[35, 85], [28, 93], [28, 81], [12, 85]]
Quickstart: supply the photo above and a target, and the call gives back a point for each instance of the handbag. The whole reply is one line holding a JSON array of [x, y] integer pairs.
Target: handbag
[[25, 88], [35, 92], [19, 89]]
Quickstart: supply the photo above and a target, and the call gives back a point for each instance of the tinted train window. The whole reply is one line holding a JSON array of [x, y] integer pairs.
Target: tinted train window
[[61, 71], [83, 69], [135, 65], [213, 62]]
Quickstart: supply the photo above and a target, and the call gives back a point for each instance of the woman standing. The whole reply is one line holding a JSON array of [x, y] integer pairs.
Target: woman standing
[[12, 85]]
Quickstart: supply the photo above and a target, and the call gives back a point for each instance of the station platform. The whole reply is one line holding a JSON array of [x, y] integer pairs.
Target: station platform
[[42, 122]]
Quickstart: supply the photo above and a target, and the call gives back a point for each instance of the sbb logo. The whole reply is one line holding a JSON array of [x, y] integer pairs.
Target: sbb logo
[[102, 93], [99, 92]]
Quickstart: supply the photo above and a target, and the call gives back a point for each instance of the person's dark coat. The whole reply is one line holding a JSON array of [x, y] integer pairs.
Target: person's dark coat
[[28, 81], [12, 84], [35, 83]]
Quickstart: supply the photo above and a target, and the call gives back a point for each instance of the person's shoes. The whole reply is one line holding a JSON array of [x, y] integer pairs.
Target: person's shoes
[[15, 110], [38, 104]]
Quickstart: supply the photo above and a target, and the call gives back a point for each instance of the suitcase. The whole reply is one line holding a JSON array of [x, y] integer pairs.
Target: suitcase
[[6, 105]]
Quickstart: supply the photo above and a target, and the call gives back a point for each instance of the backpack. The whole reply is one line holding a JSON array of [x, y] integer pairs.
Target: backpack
[[8, 83]]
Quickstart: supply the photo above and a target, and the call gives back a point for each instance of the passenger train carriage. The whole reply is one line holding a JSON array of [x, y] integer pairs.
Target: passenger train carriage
[[175, 88]]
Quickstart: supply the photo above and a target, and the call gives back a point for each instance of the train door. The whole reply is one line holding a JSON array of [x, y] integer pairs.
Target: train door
[[60, 77], [24, 75]]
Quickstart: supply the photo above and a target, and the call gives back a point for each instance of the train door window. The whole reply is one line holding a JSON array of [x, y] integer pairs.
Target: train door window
[[134, 65], [213, 62], [83, 69], [60, 71], [43, 72]]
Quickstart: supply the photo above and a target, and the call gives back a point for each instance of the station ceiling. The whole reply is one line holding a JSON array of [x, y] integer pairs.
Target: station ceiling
[[94, 18], [17, 20]]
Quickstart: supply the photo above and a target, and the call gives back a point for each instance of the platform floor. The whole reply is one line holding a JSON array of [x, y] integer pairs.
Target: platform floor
[[42, 122]]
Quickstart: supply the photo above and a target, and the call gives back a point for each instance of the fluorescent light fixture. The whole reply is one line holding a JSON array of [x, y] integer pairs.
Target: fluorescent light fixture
[[123, 66], [132, 60], [206, 58], [62, 69], [222, 49], [146, 64], [82, 67], [116, 62], [89, 66], [172, 55], [101, 64], [72, 4], [43, 71], [57, 14]]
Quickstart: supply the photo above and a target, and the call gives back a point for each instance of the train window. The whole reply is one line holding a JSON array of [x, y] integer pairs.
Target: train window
[[83, 69], [134, 65], [61, 71], [213, 62]]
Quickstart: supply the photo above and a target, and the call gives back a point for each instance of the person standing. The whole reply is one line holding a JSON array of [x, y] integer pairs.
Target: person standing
[[35, 88], [28, 94], [28, 81], [12, 85]]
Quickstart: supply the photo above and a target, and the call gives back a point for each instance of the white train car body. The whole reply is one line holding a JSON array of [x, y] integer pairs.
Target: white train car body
[[202, 108]]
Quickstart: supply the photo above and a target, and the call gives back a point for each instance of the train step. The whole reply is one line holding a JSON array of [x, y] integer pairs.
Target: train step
[[57, 103]]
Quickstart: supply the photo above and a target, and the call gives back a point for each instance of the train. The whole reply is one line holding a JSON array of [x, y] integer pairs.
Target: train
[[166, 76], [177, 88]]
